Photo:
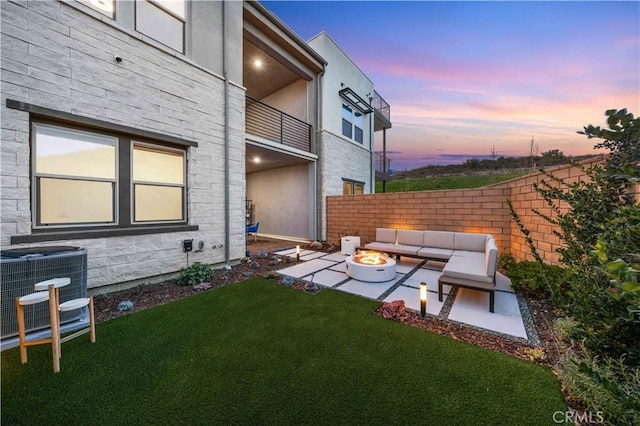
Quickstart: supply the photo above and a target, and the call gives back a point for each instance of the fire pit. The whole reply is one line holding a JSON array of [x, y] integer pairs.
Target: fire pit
[[371, 266]]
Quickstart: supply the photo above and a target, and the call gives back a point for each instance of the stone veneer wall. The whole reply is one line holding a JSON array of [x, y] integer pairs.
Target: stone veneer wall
[[341, 158], [54, 55], [482, 210]]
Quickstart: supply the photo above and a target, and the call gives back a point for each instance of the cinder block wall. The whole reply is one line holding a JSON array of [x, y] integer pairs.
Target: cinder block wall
[[483, 210]]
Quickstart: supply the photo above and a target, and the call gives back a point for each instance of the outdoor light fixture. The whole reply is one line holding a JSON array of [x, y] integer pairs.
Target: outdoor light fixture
[[256, 159], [257, 63], [423, 299], [298, 253]]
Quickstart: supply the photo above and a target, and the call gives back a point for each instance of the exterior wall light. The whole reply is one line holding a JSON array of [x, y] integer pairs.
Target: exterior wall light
[[423, 299]]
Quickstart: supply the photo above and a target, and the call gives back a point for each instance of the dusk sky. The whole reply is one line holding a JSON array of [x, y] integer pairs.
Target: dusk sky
[[462, 77]]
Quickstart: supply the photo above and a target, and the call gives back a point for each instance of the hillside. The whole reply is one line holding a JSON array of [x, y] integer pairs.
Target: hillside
[[489, 166]]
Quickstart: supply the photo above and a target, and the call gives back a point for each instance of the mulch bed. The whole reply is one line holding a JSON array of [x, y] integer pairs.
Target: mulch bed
[[144, 297]]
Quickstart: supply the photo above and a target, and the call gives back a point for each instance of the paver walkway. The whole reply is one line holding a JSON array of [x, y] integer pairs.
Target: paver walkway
[[461, 305]]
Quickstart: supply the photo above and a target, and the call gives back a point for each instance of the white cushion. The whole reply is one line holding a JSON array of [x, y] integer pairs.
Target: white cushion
[[435, 253], [470, 242], [491, 256], [470, 266], [393, 248], [386, 235], [439, 239], [410, 238]]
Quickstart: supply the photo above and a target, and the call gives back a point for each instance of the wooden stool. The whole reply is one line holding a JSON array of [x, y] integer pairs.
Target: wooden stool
[[31, 299], [67, 306]]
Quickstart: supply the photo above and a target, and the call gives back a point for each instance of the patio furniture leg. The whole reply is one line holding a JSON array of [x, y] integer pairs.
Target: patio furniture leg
[[439, 291], [491, 301]]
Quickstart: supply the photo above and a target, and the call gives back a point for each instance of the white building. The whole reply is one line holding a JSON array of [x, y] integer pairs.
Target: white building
[[130, 127]]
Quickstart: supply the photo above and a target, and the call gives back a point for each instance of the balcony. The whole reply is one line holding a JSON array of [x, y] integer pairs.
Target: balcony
[[267, 122], [382, 112]]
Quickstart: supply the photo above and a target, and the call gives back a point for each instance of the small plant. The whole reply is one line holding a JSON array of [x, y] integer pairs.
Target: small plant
[[565, 328], [195, 274], [535, 354], [395, 310]]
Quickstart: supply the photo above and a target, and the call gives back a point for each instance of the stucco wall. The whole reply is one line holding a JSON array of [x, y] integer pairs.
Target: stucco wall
[[58, 56], [281, 198], [291, 99]]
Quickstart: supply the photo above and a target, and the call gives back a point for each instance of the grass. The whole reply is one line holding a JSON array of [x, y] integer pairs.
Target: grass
[[258, 352], [446, 182]]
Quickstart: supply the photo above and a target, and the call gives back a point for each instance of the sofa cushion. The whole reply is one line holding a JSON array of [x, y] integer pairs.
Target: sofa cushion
[[435, 253], [468, 266], [439, 239], [393, 248], [386, 235], [470, 242], [491, 256], [410, 238], [380, 246]]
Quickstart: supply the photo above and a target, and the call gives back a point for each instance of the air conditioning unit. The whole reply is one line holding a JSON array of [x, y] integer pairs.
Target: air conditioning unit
[[22, 269]]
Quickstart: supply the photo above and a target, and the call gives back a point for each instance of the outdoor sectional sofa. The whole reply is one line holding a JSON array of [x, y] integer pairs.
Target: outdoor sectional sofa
[[472, 259]]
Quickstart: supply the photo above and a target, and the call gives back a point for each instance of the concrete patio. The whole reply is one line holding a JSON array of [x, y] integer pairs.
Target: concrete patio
[[511, 316]]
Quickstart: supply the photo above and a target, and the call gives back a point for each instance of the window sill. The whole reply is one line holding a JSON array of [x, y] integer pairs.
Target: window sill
[[69, 234]]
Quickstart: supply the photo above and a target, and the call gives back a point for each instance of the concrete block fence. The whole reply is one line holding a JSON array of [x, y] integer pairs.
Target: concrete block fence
[[481, 210]]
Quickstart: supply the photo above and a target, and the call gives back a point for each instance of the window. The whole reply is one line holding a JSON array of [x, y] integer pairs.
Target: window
[[351, 187], [75, 176], [86, 178], [163, 21], [106, 7], [352, 123], [158, 183]]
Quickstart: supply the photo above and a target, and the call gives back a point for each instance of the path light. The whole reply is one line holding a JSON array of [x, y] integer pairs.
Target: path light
[[423, 299], [298, 253]]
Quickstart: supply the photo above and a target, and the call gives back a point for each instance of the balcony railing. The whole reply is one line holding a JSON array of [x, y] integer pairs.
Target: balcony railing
[[381, 106], [382, 166], [269, 123]]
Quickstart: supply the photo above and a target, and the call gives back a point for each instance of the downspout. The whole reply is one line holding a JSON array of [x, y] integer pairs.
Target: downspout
[[227, 213], [372, 163], [320, 166]]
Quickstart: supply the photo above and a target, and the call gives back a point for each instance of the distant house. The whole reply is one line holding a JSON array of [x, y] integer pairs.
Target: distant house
[[129, 127]]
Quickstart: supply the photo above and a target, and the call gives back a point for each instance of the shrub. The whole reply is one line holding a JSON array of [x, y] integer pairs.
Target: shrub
[[537, 279], [395, 310], [505, 261], [608, 386], [195, 274], [600, 213]]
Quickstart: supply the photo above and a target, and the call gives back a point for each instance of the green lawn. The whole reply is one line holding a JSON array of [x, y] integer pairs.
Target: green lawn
[[261, 353], [446, 182]]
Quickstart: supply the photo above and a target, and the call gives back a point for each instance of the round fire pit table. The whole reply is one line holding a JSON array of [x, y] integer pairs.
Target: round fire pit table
[[371, 266]]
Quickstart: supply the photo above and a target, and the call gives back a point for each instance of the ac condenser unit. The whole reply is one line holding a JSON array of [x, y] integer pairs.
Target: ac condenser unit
[[23, 268]]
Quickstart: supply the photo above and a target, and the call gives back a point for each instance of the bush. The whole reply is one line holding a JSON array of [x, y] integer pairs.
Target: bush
[[537, 279], [598, 223], [607, 386], [505, 261], [195, 274]]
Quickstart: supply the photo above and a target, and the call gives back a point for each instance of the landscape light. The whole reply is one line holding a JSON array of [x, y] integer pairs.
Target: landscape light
[[423, 299]]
